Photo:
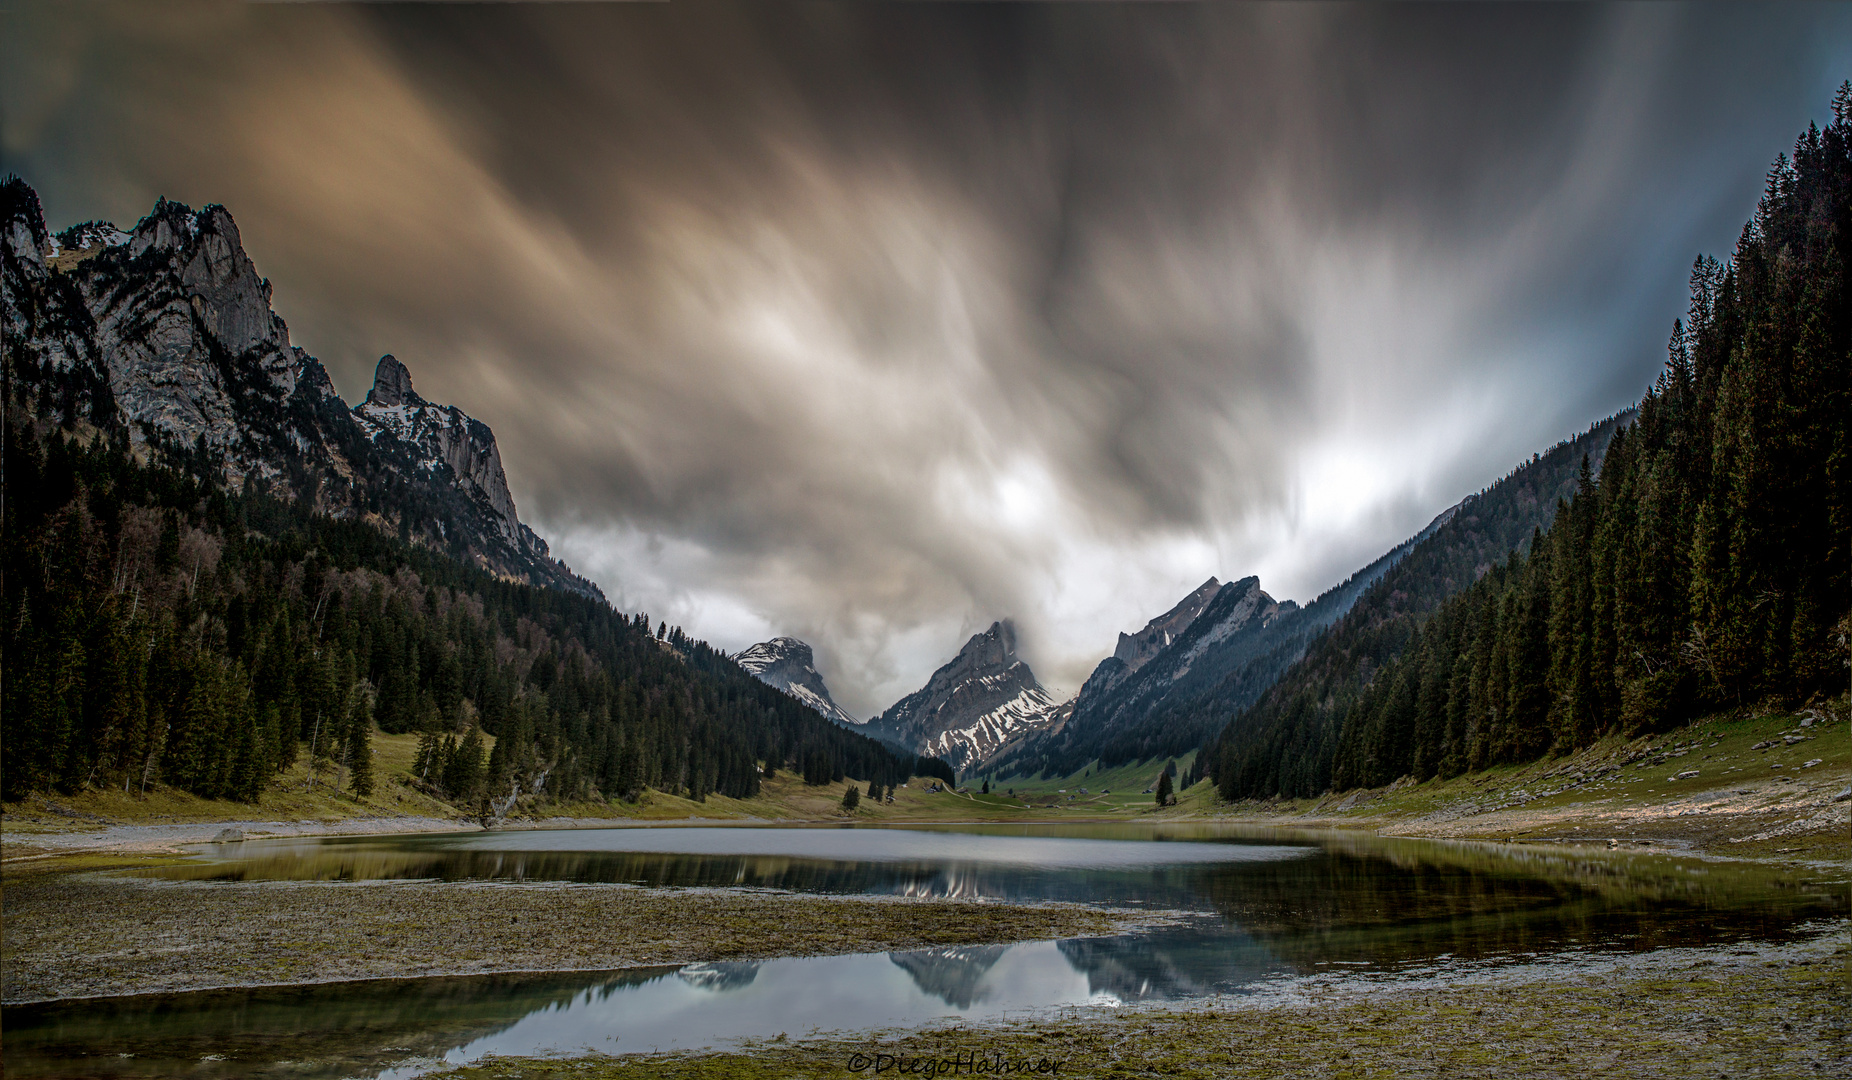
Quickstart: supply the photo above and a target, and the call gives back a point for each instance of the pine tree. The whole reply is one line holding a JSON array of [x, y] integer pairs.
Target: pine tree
[[463, 771], [1164, 797], [360, 743]]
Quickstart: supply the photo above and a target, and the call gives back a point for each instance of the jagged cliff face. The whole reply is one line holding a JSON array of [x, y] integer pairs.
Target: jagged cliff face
[[174, 323], [1231, 618], [165, 334], [1212, 632], [787, 663], [440, 433], [983, 699], [1136, 650]]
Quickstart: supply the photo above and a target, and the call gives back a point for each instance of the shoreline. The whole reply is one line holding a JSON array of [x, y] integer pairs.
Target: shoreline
[[1732, 1010], [1827, 825], [1755, 788]]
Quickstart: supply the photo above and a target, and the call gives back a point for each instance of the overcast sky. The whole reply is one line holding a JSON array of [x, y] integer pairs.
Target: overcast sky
[[871, 324]]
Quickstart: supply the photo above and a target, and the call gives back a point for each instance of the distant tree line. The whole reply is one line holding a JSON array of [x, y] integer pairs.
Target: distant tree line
[[1704, 566], [160, 628]]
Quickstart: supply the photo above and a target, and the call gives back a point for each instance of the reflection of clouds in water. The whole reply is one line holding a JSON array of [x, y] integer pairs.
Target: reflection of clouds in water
[[716, 1004], [719, 1004], [1363, 899]]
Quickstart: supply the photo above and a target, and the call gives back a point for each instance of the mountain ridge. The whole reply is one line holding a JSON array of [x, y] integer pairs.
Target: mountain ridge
[[164, 336], [1169, 707]]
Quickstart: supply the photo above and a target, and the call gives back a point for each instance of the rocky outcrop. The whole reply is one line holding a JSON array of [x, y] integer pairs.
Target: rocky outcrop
[[165, 334], [442, 434], [1135, 650], [787, 663]]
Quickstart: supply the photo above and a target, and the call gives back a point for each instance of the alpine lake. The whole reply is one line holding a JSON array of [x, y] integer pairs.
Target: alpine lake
[[1251, 910]]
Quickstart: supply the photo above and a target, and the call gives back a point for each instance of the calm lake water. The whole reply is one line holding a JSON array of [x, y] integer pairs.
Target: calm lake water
[[1263, 905]]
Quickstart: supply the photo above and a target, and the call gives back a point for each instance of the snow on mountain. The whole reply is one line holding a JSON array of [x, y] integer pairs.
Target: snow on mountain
[[444, 435], [983, 699], [788, 664], [1136, 650]]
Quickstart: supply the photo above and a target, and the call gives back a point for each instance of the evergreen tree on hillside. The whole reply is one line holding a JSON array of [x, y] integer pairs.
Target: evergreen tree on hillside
[[162, 629], [358, 743]]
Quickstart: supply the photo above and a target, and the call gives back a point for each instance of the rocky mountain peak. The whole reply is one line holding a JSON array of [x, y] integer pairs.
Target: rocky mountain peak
[[392, 384], [981, 699], [25, 238], [166, 335], [994, 648], [789, 665], [1135, 649]]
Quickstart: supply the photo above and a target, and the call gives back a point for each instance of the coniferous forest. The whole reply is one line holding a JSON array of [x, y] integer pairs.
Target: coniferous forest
[[161, 629], [1704, 565]]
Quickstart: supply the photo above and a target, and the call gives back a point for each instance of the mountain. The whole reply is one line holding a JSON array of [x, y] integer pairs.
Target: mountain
[[787, 663], [1136, 649], [1295, 706], [1159, 692], [164, 337], [1241, 643], [955, 974], [1699, 566], [975, 704]]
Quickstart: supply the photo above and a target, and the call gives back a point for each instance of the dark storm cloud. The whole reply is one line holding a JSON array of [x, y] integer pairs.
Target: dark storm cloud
[[871, 323]]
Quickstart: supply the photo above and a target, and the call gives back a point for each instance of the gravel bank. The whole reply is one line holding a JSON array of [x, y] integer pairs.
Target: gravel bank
[[93, 934]]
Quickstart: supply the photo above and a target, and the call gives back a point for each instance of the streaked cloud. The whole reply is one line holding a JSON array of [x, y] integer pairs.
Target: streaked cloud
[[870, 324]]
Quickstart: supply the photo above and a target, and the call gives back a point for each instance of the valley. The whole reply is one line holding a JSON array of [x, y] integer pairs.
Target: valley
[[320, 762]]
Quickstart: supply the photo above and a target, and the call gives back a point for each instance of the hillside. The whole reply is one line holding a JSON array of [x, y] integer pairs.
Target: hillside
[[163, 337], [1702, 565], [216, 572]]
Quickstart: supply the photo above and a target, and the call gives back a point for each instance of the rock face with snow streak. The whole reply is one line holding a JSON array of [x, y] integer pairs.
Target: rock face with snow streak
[[787, 663], [165, 335], [1135, 650], [445, 434], [984, 698]]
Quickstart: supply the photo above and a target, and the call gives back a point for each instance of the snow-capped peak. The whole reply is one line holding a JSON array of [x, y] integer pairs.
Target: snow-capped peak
[[984, 697], [789, 665]]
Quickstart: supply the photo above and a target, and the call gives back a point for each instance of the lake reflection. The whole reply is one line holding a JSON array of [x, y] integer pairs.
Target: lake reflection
[[1265, 904]]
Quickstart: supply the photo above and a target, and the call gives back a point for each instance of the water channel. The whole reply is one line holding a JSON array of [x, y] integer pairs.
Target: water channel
[[1261, 906]]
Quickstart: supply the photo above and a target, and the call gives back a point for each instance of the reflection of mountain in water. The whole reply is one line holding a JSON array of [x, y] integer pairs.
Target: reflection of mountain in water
[[1359, 899], [1169, 964], [720, 975], [951, 975], [1181, 886]]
